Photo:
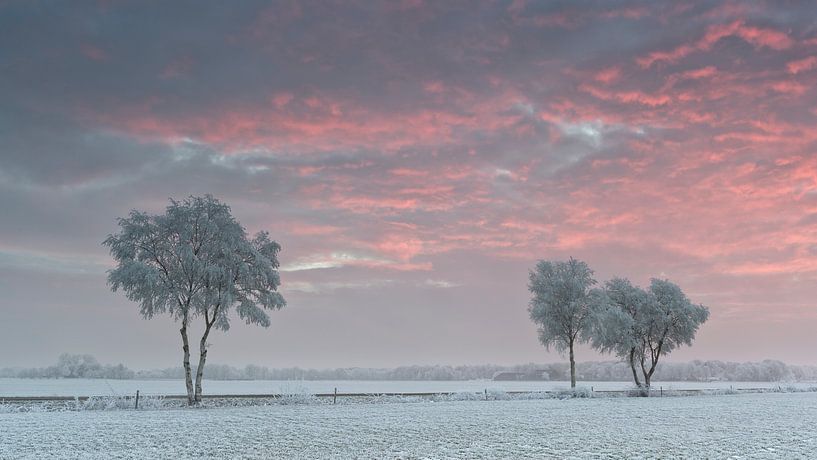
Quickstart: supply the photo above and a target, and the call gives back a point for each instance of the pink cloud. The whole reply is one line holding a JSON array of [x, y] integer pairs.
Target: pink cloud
[[628, 96], [802, 65], [789, 87], [759, 37], [704, 72], [608, 75], [319, 122], [401, 247], [668, 56], [768, 38]]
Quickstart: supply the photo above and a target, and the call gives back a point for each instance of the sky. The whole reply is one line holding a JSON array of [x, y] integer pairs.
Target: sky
[[414, 160]]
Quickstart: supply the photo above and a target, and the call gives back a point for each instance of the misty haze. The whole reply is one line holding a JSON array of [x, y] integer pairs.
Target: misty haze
[[408, 229]]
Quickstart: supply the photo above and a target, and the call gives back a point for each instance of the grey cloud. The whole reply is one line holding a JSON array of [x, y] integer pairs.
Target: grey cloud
[[53, 154]]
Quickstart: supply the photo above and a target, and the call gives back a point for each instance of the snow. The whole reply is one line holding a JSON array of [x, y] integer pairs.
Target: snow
[[779, 425], [103, 387]]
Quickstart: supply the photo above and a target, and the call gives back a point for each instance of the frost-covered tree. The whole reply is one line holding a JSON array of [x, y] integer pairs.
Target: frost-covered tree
[[641, 326], [616, 327], [195, 261], [561, 305], [669, 321], [76, 366]]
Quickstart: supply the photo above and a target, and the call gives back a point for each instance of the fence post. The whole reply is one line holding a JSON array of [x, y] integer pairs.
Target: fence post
[[137, 400], [486, 394], [662, 390], [335, 398]]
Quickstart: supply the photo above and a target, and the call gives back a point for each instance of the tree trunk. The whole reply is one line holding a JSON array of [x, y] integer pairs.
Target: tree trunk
[[572, 367], [632, 366], [202, 359], [645, 390], [654, 355], [648, 375], [186, 348]]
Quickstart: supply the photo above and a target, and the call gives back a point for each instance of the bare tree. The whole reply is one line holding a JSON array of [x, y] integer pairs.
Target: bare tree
[[195, 260], [561, 305]]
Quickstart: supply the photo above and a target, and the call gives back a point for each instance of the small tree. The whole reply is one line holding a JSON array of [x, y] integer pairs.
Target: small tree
[[561, 305], [195, 260], [669, 321], [76, 366], [617, 327], [641, 326]]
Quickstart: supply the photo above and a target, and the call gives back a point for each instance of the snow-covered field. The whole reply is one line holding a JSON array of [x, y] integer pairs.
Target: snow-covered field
[[780, 425], [101, 387]]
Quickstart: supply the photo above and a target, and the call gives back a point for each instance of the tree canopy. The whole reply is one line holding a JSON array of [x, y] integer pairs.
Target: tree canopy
[[640, 325], [561, 305]]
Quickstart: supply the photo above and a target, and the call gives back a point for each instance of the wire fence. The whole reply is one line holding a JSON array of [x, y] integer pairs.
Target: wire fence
[[485, 394]]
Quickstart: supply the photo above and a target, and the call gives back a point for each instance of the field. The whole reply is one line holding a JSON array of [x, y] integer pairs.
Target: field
[[779, 425]]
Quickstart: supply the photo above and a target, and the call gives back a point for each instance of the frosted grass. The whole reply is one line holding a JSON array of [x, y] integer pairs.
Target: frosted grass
[[771, 425]]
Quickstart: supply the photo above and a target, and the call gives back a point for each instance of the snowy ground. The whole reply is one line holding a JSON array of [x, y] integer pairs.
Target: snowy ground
[[746, 426], [102, 387]]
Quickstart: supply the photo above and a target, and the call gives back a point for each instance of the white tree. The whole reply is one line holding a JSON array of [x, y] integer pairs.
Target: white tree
[[617, 327], [561, 305], [641, 326], [195, 260], [669, 321], [76, 366]]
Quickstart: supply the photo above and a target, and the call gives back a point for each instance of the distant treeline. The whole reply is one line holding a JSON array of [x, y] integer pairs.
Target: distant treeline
[[86, 366], [72, 366]]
